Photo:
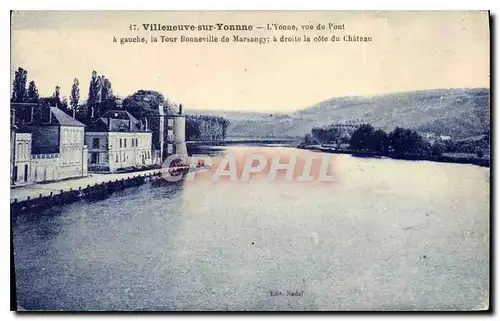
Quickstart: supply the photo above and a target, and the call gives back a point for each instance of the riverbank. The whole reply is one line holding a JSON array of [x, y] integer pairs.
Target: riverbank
[[63, 192], [483, 162]]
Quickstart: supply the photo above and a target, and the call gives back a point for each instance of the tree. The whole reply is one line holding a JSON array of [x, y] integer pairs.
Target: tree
[[143, 101], [55, 100], [379, 142], [94, 94], [64, 104], [106, 91], [436, 150], [408, 142], [327, 134], [19, 94], [57, 93], [362, 138], [94, 89], [75, 94], [144, 104], [193, 131], [225, 124], [108, 100], [310, 140], [201, 127], [33, 95]]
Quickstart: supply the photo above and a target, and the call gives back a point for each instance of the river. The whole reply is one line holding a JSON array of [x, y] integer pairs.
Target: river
[[384, 235]]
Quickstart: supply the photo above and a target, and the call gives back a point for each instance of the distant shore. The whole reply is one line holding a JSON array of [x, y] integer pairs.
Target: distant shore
[[483, 162]]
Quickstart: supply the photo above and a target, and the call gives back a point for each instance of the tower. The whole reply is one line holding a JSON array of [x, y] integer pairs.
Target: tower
[[161, 130], [176, 133]]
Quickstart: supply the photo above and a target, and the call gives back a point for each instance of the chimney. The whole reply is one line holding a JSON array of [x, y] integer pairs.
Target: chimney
[[50, 114], [130, 124], [92, 113], [109, 123], [146, 123], [31, 114], [74, 112], [180, 109]]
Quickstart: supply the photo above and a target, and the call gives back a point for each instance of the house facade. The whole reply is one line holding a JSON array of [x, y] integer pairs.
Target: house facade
[[59, 150], [57, 147], [118, 141], [21, 158]]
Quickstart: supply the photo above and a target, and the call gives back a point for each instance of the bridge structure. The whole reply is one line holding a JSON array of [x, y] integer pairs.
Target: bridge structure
[[244, 140]]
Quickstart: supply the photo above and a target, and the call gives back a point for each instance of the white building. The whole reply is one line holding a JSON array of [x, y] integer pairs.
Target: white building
[[57, 148], [116, 141], [432, 137], [20, 158]]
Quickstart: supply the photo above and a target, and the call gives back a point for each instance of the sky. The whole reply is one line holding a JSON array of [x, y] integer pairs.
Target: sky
[[409, 51]]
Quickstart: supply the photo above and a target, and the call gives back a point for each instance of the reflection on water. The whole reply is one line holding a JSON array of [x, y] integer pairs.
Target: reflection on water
[[387, 234]]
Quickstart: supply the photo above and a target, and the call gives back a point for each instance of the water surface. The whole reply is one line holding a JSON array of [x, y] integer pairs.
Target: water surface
[[386, 234]]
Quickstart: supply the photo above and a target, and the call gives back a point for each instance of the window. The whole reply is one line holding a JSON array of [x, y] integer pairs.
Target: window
[[19, 151], [94, 158], [116, 158], [120, 143], [137, 142], [149, 154], [95, 142], [133, 141], [26, 172], [170, 122], [125, 142], [170, 134]]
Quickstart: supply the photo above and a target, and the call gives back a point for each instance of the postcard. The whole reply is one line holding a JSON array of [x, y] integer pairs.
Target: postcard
[[250, 160]]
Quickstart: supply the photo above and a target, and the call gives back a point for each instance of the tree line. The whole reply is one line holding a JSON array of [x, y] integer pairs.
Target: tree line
[[142, 104], [400, 141], [202, 127], [100, 96]]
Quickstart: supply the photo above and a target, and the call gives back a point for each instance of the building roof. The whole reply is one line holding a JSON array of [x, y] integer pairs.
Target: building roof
[[117, 121], [61, 118], [32, 114]]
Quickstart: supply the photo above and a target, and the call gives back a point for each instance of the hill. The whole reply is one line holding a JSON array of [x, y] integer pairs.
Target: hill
[[460, 113]]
